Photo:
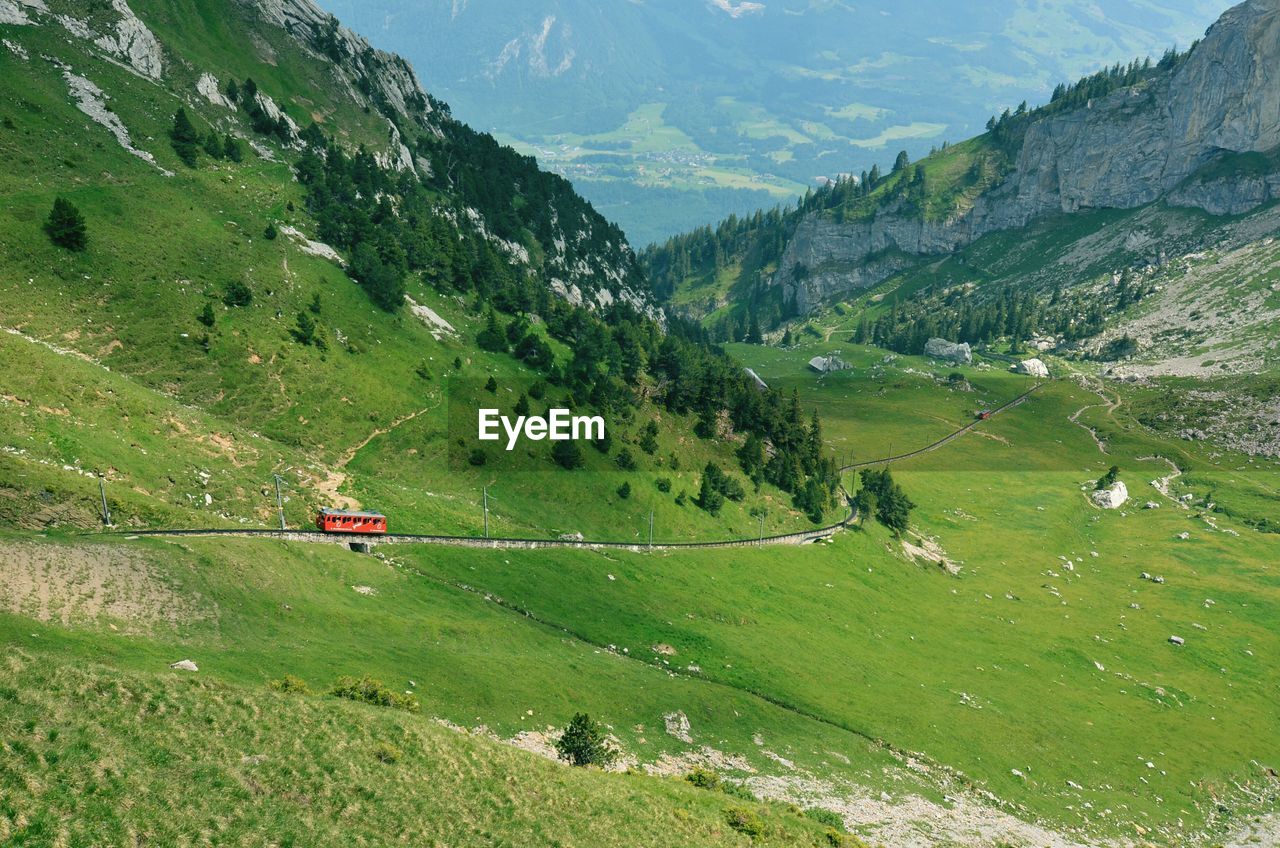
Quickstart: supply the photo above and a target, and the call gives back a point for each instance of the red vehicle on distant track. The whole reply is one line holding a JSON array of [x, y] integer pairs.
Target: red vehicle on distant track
[[346, 521]]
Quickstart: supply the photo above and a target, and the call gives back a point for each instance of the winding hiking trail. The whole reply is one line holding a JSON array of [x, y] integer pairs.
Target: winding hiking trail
[[1110, 404], [335, 477]]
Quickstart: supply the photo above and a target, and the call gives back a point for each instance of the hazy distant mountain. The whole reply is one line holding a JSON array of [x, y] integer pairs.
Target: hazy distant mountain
[[670, 113]]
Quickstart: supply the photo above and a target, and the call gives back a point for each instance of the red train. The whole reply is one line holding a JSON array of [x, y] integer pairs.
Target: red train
[[346, 521]]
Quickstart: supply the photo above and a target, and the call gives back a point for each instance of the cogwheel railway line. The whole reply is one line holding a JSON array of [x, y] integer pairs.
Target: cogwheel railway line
[[364, 542]]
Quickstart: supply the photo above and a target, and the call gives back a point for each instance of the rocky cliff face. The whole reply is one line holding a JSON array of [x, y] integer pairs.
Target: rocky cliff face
[[1158, 140]]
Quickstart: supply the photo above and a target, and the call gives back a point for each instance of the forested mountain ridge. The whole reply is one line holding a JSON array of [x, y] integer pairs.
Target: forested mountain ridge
[[1198, 130], [190, 182], [524, 216]]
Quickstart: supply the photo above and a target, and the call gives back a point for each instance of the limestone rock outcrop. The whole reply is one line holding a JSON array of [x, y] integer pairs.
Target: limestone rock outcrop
[[1205, 134]]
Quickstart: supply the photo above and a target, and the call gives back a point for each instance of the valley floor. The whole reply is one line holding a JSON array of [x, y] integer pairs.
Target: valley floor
[[1004, 676]]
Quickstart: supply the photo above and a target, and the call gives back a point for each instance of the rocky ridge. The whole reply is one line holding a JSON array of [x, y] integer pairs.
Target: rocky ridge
[[1202, 136]]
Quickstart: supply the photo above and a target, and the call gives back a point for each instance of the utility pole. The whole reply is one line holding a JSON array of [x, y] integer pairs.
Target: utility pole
[[485, 490], [102, 489], [279, 503], [650, 529], [762, 528]]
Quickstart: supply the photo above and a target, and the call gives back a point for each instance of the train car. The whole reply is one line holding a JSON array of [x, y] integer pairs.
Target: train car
[[346, 521]]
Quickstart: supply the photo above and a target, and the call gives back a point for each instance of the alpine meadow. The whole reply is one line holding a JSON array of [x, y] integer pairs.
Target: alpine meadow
[[362, 484]]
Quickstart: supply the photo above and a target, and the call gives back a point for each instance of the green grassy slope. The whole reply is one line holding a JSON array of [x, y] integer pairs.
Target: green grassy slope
[[1018, 663], [358, 422], [126, 756]]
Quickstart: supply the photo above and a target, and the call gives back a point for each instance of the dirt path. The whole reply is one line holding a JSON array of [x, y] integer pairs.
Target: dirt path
[[1164, 484], [335, 477], [1110, 404]]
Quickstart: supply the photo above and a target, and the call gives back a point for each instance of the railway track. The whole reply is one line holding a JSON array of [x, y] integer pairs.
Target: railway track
[[800, 538], [945, 439]]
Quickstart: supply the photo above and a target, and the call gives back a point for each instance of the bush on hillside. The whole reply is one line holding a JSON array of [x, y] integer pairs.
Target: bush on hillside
[[290, 684], [368, 690], [745, 821], [584, 743], [827, 817], [66, 226], [387, 753], [1108, 479], [703, 778], [237, 294]]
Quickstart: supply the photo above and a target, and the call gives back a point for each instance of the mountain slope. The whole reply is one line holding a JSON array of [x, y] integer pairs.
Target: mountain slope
[[1199, 130], [668, 114], [219, 284]]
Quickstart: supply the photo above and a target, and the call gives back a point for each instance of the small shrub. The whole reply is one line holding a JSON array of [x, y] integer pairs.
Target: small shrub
[[491, 386], [206, 315], [703, 778], [291, 685], [744, 821], [478, 457], [237, 294], [387, 753], [367, 690], [270, 232], [624, 491], [827, 817], [625, 460], [663, 484]]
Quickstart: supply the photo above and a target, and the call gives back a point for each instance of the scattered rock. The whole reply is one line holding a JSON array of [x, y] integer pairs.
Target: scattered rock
[[364, 590], [826, 364], [949, 351], [1032, 368], [1177, 640], [184, 665], [1112, 497], [677, 725]]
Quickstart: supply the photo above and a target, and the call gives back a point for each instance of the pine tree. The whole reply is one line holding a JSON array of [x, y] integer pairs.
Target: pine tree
[[184, 138], [567, 454], [585, 743], [213, 146], [231, 149], [305, 332], [206, 316], [66, 226]]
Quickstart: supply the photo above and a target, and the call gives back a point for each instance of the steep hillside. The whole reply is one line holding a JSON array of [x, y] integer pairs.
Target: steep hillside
[[225, 190], [1197, 130]]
